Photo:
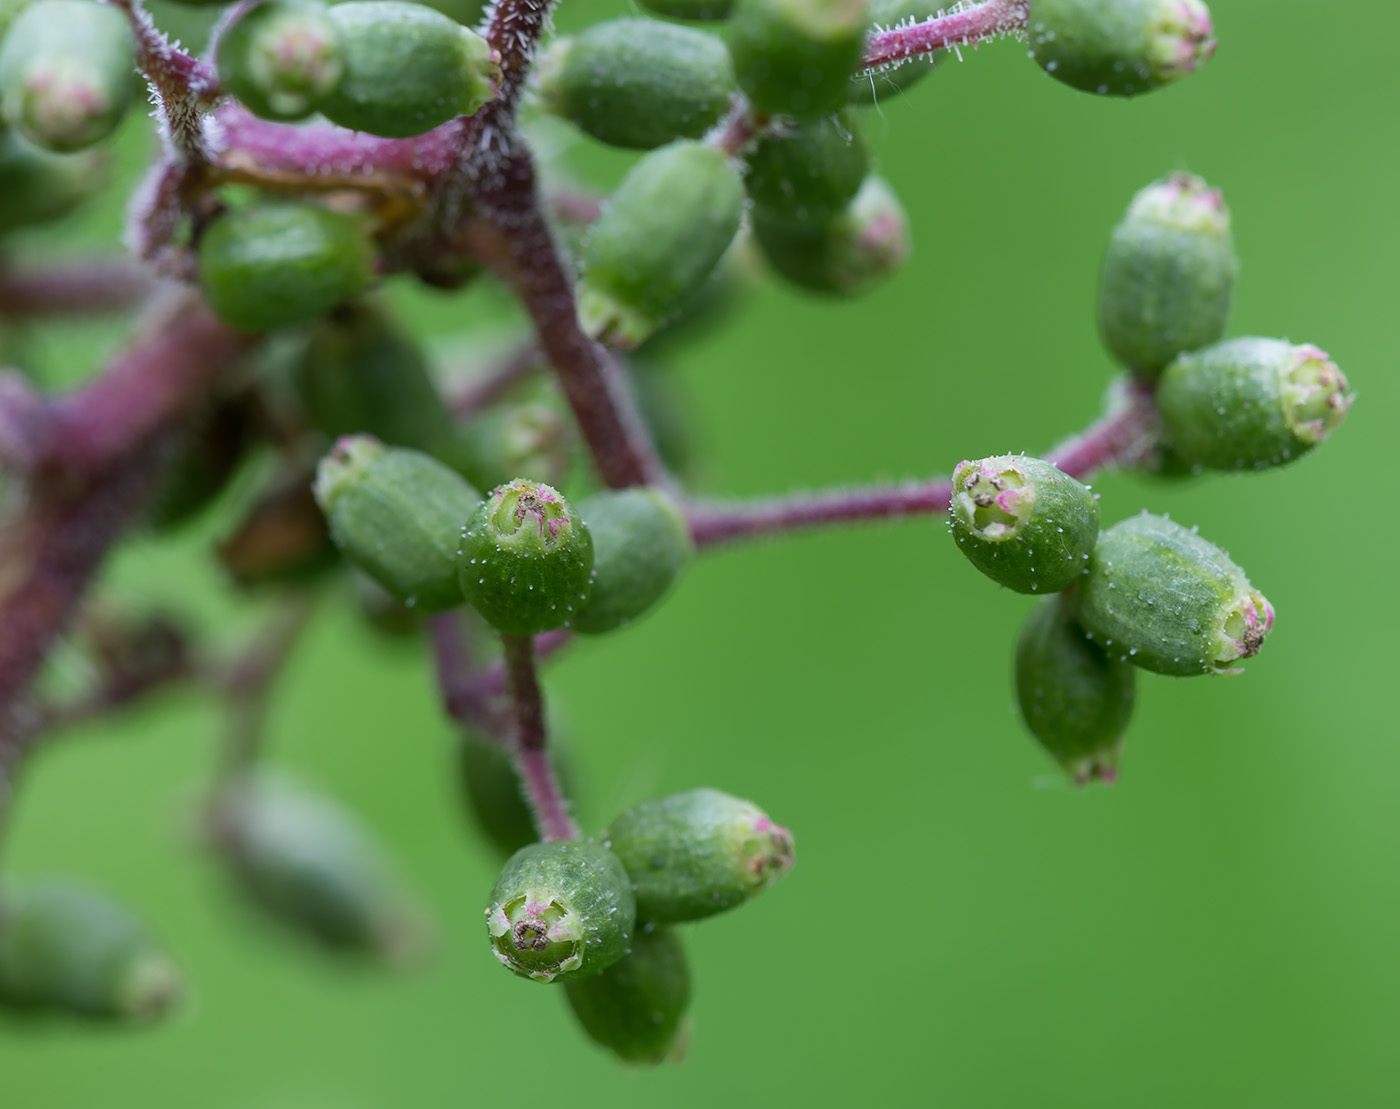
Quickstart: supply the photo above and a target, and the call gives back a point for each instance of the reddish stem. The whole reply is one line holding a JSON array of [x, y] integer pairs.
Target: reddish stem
[[965, 27], [73, 288], [529, 750], [486, 388]]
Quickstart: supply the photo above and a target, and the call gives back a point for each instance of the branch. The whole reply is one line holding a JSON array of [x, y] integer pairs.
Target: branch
[[487, 387], [73, 288], [514, 29], [961, 26], [531, 759]]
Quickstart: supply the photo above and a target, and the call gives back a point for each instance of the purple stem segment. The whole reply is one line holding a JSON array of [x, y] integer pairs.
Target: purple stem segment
[[73, 288], [531, 758], [964, 27]]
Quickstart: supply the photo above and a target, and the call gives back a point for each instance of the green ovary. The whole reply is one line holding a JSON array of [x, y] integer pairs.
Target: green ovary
[[1314, 395], [531, 516], [1000, 502], [536, 937]]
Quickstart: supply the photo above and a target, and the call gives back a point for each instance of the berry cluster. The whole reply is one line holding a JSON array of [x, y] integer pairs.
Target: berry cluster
[[322, 150]]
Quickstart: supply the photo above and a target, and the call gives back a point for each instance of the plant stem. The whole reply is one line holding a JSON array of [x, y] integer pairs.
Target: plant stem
[[485, 388], [963, 26], [529, 752], [463, 696], [73, 289]]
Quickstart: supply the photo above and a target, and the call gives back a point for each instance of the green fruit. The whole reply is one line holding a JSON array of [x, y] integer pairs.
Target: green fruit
[[1023, 523], [695, 854], [1161, 597], [281, 58], [796, 57], [275, 264], [1250, 403], [67, 949], [639, 83], [640, 546], [407, 69], [1074, 696], [561, 909], [397, 514], [1119, 47], [66, 73], [636, 1007], [1168, 274], [810, 172], [663, 232], [526, 559]]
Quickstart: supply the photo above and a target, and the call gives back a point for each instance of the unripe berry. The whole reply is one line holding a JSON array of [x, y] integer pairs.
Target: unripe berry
[[1023, 523], [1161, 597], [281, 58], [695, 854], [640, 546], [407, 69], [397, 515], [809, 172], [65, 948], [561, 909], [638, 83], [636, 1008], [796, 57], [1120, 47], [526, 559], [275, 264], [1075, 697], [1168, 275], [847, 255], [37, 187], [664, 230], [311, 867], [1250, 403], [65, 73]]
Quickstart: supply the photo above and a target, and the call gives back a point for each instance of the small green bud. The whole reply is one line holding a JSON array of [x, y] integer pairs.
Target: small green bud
[[65, 73], [639, 83], [1168, 274], [640, 546], [663, 232], [36, 187], [879, 86], [810, 171], [846, 256], [1250, 403], [1161, 597], [396, 514], [65, 948], [695, 11], [1023, 523], [561, 909], [1075, 697], [1120, 47], [796, 57], [281, 58], [636, 1008], [310, 866], [526, 559], [514, 439], [361, 373], [407, 69], [695, 854], [281, 263]]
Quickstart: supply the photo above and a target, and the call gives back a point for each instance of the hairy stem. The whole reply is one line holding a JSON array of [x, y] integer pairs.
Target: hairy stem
[[963, 26], [529, 752], [73, 288]]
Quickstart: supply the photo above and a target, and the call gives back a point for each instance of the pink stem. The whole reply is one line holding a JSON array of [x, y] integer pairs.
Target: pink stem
[[73, 288], [965, 27], [529, 750]]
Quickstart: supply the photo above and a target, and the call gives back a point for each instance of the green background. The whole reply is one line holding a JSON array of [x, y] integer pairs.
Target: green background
[[963, 928]]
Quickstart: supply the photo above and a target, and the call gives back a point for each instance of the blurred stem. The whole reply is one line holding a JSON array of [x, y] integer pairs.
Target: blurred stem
[[529, 750], [486, 388], [966, 27], [73, 288]]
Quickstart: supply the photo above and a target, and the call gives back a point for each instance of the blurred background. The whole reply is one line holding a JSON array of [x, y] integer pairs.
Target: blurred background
[[963, 927]]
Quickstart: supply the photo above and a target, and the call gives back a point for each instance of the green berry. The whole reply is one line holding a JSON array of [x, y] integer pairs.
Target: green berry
[[36, 187], [310, 866], [526, 559], [407, 69], [275, 264], [1023, 523], [65, 73], [796, 57], [281, 58], [1168, 274], [809, 172], [699, 11], [847, 255], [1161, 597], [561, 909], [663, 232], [1250, 403], [640, 546], [1075, 697], [361, 373], [636, 1008], [639, 83], [1120, 47], [397, 515], [695, 854], [65, 948]]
